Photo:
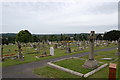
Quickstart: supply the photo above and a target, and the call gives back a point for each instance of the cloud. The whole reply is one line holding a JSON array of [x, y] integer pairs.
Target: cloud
[[57, 17]]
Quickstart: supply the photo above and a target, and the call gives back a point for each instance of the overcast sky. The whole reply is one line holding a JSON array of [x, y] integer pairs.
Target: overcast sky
[[77, 16]]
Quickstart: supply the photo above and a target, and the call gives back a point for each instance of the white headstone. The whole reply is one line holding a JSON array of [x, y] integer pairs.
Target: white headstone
[[52, 51]]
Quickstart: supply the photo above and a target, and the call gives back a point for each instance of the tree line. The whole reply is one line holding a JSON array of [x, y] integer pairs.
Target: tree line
[[25, 36]]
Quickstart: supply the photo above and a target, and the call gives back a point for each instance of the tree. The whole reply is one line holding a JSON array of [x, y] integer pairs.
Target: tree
[[53, 38], [99, 37], [75, 37], [62, 37], [35, 38], [112, 35], [24, 36]]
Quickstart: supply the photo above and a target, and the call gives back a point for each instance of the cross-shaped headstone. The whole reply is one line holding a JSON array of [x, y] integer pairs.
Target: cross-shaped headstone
[[91, 62], [92, 38]]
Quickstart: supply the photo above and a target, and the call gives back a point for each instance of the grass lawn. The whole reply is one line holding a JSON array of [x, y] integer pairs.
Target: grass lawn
[[8, 49], [76, 66], [0, 64], [53, 73]]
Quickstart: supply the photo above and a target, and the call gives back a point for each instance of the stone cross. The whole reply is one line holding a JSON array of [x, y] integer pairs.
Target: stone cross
[[51, 51], [119, 47], [20, 52], [91, 62], [38, 47], [92, 39]]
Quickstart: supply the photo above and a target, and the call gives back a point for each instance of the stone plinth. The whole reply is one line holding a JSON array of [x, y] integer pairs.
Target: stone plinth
[[90, 64]]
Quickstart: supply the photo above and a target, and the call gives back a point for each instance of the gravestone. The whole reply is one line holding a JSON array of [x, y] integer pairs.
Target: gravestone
[[51, 51], [38, 47], [34, 46], [55, 45], [91, 62], [1, 57], [68, 50], [44, 48], [80, 48], [20, 52]]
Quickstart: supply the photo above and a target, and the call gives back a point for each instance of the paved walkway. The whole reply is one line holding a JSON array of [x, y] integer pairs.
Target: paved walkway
[[26, 70]]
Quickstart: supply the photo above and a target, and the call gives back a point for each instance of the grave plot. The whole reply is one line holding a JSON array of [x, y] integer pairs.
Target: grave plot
[[74, 66]]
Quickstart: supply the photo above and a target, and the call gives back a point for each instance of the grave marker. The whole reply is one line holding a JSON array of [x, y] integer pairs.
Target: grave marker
[[91, 62], [20, 52], [51, 51], [2, 59], [38, 47]]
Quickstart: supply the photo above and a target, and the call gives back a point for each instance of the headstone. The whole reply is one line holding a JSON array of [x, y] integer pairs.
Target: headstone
[[34, 46], [68, 50], [55, 45], [50, 43], [80, 48], [38, 47], [1, 57], [44, 48], [91, 62], [20, 52], [51, 51]]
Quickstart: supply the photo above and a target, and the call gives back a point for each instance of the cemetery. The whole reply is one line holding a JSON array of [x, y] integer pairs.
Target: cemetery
[[60, 40], [78, 59]]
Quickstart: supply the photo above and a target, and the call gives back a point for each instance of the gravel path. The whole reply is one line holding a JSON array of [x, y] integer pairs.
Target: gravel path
[[25, 70]]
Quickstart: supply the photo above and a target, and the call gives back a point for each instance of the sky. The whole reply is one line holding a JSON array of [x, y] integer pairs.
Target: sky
[[56, 17]]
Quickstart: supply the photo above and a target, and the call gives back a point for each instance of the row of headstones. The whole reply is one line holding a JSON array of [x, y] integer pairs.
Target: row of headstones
[[76, 43], [60, 45]]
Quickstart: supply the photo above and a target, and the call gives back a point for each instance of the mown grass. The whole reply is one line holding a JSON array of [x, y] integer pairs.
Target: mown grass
[[74, 64], [53, 73]]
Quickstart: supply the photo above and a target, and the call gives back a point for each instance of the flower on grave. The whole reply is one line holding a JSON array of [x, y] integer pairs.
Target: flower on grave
[[12, 54], [6, 55]]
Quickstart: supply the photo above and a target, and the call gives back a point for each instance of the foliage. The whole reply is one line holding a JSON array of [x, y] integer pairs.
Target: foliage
[[112, 35], [99, 37], [24, 36]]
